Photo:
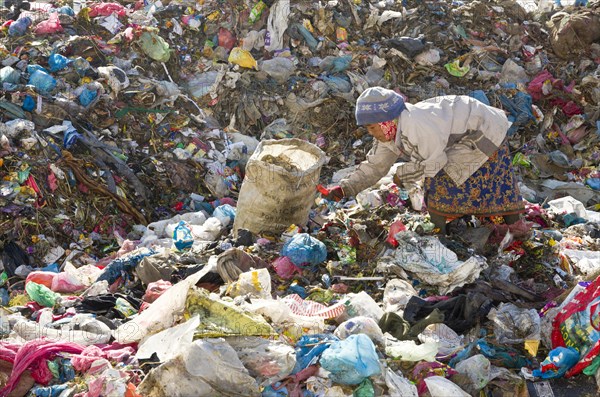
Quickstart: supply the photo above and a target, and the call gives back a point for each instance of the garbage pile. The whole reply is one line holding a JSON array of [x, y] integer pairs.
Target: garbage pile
[[161, 233]]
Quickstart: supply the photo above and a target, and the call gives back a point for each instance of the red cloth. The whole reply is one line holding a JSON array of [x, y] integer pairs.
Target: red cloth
[[389, 129]]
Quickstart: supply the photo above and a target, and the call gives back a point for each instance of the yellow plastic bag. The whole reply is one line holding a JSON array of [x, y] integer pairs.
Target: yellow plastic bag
[[242, 58]]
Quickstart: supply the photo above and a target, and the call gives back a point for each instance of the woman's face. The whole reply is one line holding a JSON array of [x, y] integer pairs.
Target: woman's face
[[376, 132]]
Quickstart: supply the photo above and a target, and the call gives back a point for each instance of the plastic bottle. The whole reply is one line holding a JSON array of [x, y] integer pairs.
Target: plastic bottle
[[42, 294], [42, 81]]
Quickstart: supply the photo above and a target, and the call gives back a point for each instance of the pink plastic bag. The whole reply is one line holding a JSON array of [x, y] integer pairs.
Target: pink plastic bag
[[106, 9], [226, 39], [285, 268], [66, 283], [155, 290], [49, 26]]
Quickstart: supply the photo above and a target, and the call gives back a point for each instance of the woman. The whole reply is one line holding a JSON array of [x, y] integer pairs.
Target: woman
[[456, 143]]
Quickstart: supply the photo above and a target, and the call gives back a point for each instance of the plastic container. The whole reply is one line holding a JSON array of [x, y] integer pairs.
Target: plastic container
[[304, 249], [279, 187]]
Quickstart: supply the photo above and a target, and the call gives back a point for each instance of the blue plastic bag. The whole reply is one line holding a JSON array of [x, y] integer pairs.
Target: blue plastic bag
[[19, 27], [351, 360], [303, 249], [87, 96], [558, 362], [182, 236], [224, 212], [309, 348], [28, 103], [58, 62], [32, 68], [43, 82]]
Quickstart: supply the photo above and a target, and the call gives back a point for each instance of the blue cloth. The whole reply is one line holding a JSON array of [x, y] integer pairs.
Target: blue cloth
[[120, 266], [519, 107], [377, 104], [491, 191]]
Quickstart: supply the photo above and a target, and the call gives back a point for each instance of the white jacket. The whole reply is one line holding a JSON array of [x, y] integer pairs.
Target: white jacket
[[455, 133]]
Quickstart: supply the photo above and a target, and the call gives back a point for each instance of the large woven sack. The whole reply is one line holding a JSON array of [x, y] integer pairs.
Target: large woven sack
[[279, 187]]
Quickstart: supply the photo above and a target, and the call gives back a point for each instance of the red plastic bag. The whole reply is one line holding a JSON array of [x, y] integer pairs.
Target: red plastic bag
[[577, 325], [226, 39], [395, 228]]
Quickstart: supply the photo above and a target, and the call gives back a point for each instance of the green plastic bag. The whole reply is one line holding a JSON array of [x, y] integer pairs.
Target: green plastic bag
[[155, 47], [41, 294]]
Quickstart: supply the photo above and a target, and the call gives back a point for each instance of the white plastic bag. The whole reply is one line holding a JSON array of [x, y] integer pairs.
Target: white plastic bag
[[477, 369], [360, 325], [409, 350], [399, 385], [270, 361], [441, 387]]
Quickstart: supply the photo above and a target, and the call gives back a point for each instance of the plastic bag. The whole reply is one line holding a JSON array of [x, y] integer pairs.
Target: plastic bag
[[574, 326], [189, 375], [42, 294], [410, 351], [243, 58], [478, 371], [362, 304], [271, 361], [43, 278], [515, 325], [304, 249], [399, 385], [396, 295], [42, 81], [9, 75], [182, 236], [558, 362], [352, 360], [279, 68], [285, 268], [360, 325], [66, 283], [255, 284], [58, 62], [155, 47], [441, 387], [19, 27], [449, 342], [49, 26], [225, 213]]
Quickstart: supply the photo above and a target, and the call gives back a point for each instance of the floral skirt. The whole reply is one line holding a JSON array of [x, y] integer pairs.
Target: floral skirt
[[491, 191]]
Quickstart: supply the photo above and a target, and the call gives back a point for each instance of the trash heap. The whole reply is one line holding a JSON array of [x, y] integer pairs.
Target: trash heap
[[135, 262]]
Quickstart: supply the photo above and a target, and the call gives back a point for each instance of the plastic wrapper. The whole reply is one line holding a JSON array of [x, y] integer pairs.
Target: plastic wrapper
[[558, 362], [571, 326], [360, 325], [243, 58], [515, 325], [352, 360]]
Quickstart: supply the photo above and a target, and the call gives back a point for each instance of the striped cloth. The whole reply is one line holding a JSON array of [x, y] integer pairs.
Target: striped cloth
[[308, 308]]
